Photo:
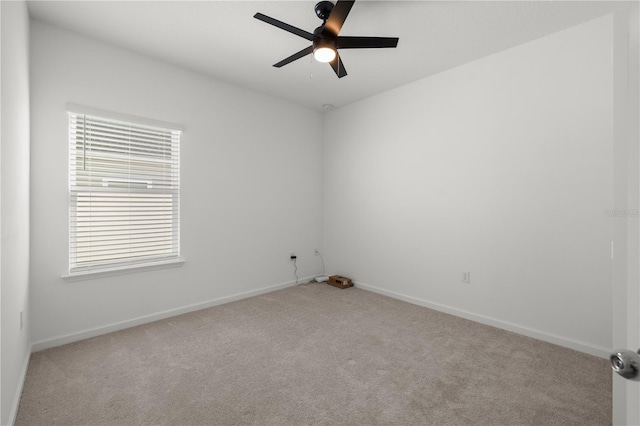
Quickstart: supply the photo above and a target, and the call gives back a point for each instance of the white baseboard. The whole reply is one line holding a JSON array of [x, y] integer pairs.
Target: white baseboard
[[74, 337], [16, 399], [505, 325]]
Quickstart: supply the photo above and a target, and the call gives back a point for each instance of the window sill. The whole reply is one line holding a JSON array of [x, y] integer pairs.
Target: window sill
[[100, 273]]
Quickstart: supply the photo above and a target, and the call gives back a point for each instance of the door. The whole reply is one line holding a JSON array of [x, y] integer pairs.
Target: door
[[626, 232]]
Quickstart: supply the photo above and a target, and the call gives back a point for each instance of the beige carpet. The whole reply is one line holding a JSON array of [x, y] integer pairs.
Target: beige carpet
[[315, 355]]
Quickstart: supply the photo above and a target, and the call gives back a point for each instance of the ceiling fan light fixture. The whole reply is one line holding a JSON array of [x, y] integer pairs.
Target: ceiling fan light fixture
[[324, 54], [325, 39]]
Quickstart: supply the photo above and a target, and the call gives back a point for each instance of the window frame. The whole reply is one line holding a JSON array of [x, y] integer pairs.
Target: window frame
[[136, 262]]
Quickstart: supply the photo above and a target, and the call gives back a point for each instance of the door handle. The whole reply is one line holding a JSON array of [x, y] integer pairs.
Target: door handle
[[626, 363]]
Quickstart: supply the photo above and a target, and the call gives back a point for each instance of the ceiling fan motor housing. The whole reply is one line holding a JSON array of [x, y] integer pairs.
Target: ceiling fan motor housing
[[323, 40]]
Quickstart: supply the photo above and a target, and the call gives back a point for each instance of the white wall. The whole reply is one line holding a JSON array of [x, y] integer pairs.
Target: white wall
[[501, 167], [14, 212], [251, 185]]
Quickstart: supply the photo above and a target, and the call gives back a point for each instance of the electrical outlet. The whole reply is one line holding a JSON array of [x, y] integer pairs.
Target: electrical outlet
[[316, 252], [466, 277], [293, 256], [21, 318]]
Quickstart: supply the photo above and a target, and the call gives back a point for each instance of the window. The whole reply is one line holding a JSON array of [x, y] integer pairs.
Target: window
[[124, 182]]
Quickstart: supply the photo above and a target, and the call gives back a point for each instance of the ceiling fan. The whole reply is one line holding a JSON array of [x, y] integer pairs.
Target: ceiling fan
[[325, 39]]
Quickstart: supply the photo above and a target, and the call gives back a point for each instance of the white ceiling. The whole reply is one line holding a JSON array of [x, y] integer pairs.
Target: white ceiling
[[223, 40]]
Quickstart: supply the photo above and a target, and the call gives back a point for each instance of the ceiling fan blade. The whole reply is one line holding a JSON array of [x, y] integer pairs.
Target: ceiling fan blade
[[284, 26], [337, 17], [295, 56], [338, 66], [365, 42]]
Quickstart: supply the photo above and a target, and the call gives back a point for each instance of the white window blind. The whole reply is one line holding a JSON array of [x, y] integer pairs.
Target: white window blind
[[124, 181]]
